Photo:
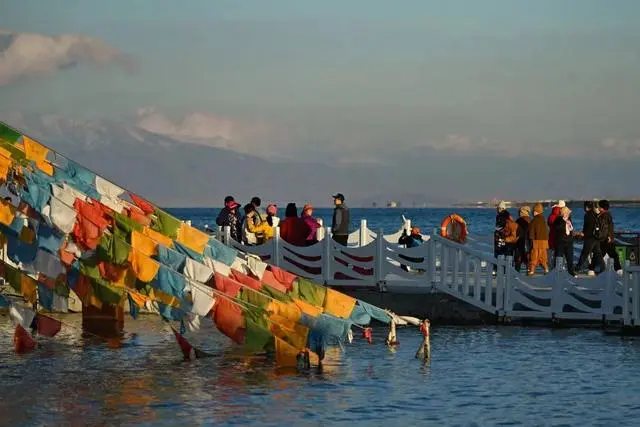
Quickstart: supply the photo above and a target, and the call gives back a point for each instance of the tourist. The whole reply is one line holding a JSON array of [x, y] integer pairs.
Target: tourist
[[412, 240], [510, 235], [261, 216], [293, 229], [607, 240], [499, 234], [539, 235], [312, 223], [341, 220], [555, 213], [563, 247], [230, 217], [590, 244], [263, 231], [272, 212], [249, 237], [523, 244]]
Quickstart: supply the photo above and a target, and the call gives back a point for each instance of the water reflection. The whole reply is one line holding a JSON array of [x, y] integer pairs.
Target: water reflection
[[477, 375]]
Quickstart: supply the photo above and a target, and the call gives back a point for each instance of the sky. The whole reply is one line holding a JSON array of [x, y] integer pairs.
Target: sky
[[356, 80]]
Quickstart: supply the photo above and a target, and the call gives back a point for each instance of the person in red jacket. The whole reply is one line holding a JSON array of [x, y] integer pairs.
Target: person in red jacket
[[293, 229]]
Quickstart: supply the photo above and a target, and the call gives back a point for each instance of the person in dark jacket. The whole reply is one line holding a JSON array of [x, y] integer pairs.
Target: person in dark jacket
[[341, 220], [412, 240], [590, 243], [523, 245], [563, 247], [607, 244], [293, 229], [499, 234], [229, 216]]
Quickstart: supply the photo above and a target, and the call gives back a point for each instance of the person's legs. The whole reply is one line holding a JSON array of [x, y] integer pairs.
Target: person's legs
[[587, 247], [341, 238]]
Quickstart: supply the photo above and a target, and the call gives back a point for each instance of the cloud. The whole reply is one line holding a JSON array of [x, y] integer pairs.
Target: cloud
[[24, 55], [205, 128], [621, 147]]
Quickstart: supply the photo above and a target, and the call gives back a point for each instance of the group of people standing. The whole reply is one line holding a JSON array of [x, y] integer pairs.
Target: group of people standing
[[256, 226], [530, 240]]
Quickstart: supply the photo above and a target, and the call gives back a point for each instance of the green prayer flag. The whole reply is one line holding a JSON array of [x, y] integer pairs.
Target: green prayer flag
[[256, 337], [9, 135], [166, 224], [126, 226], [275, 294], [106, 292], [308, 291], [114, 249], [13, 277], [61, 289], [254, 298]]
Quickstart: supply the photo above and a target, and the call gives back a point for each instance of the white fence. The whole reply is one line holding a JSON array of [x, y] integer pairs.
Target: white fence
[[467, 272]]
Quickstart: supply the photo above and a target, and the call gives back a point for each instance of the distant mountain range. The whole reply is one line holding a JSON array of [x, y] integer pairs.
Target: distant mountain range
[[172, 172]]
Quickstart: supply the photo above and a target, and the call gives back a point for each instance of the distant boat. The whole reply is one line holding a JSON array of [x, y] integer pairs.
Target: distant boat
[[392, 204]]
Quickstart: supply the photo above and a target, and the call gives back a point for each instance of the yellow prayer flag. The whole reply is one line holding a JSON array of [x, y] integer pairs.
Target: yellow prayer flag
[[29, 288], [338, 304], [144, 244], [286, 355], [45, 167], [7, 212], [192, 238], [144, 267], [34, 150], [158, 237], [307, 308], [287, 310]]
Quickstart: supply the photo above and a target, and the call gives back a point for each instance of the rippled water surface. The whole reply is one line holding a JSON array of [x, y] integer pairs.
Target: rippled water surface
[[478, 376]]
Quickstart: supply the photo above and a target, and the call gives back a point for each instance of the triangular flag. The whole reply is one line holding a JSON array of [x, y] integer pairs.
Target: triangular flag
[[184, 345], [22, 340], [48, 326]]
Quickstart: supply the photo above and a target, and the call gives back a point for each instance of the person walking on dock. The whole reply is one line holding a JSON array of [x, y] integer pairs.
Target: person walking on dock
[[539, 235], [607, 240], [590, 243], [563, 247], [341, 220], [230, 217], [523, 245]]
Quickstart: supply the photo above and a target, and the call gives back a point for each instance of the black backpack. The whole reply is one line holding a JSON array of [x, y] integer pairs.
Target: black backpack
[[600, 228]]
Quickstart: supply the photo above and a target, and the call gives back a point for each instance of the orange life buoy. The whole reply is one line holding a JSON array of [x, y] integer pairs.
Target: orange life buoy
[[454, 228]]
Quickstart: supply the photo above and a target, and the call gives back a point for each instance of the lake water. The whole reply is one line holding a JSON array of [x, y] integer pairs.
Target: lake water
[[479, 376]]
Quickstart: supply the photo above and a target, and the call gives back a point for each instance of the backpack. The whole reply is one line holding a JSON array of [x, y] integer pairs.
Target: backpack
[[600, 228]]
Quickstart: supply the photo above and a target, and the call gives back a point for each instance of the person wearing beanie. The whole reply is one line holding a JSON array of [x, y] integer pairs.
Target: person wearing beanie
[[229, 216], [307, 216], [523, 244], [539, 235]]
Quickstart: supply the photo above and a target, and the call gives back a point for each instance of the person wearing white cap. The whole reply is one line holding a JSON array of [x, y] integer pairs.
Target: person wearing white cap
[[561, 204]]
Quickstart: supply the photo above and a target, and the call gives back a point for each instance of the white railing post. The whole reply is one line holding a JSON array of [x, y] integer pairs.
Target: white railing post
[[488, 290], [508, 285], [432, 259], [363, 232], [465, 274], [219, 234], [606, 305], [454, 269], [635, 298], [227, 235], [379, 258], [326, 257], [275, 253], [557, 290], [626, 320], [407, 226]]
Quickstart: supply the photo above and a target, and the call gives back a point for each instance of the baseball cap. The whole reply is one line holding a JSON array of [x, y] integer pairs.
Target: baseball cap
[[339, 196]]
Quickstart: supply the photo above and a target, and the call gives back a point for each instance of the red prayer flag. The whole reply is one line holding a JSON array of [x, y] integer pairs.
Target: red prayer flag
[[142, 204], [184, 345], [48, 326], [22, 340]]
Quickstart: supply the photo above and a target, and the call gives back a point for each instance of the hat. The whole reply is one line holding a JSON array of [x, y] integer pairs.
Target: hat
[[502, 205], [339, 196], [272, 209], [525, 211], [228, 199], [538, 208], [307, 206], [561, 204], [415, 230]]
